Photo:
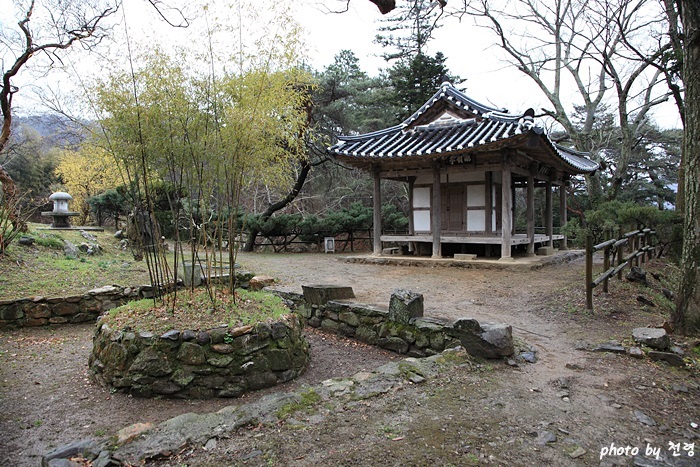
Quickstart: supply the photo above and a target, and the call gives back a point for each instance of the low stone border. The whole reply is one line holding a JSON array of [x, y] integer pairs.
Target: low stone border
[[41, 311], [520, 264], [221, 362], [414, 336]]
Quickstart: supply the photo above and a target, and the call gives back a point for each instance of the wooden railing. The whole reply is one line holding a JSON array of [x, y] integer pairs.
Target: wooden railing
[[638, 245]]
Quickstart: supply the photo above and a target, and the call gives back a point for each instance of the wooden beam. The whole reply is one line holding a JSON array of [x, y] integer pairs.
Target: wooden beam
[[377, 217], [435, 210]]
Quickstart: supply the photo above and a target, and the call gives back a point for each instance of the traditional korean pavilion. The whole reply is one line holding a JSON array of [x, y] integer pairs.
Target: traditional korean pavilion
[[463, 162]]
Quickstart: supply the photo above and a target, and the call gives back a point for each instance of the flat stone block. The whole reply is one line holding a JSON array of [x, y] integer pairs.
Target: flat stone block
[[391, 251], [321, 294], [464, 257], [545, 251]]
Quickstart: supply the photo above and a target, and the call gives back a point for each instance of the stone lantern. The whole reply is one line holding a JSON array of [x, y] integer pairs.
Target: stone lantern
[[60, 211]]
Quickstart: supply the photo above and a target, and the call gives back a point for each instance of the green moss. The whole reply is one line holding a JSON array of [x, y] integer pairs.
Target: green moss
[[307, 399]]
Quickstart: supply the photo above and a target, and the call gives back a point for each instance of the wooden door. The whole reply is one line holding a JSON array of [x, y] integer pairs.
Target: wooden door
[[452, 215]]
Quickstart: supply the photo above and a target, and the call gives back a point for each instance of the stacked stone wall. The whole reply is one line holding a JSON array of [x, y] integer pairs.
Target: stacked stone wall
[[83, 308], [221, 362], [416, 337], [40, 311]]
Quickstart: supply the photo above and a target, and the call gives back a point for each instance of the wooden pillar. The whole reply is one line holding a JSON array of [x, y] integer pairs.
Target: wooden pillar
[[435, 210], [513, 211], [411, 225], [489, 203], [563, 214], [377, 207], [548, 213], [506, 214], [530, 195]]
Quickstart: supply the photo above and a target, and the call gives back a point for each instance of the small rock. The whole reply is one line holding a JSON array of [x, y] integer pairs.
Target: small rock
[[512, 363], [574, 366], [211, 444], [173, 335], [668, 294], [636, 352], [544, 437], [119, 234], [615, 405], [656, 338], [25, 240], [130, 432], [668, 357], [613, 347], [644, 418], [680, 388], [70, 249], [260, 282], [677, 350], [529, 357], [637, 274], [252, 454], [578, 452], [416, 378]]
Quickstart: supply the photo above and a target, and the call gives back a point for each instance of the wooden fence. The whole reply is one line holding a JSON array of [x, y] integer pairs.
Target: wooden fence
[[638, 245]]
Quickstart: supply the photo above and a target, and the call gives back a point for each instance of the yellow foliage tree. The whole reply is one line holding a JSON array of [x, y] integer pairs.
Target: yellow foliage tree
[[87, 172]]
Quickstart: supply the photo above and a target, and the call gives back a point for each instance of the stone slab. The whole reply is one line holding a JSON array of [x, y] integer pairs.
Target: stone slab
[[320, 294], [464, 257]]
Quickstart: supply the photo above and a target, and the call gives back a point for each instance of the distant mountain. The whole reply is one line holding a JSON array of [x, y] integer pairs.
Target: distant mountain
[[54, 130]]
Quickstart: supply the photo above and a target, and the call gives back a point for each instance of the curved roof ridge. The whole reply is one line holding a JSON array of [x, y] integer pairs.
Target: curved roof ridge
[[447, 89], [372, 134]]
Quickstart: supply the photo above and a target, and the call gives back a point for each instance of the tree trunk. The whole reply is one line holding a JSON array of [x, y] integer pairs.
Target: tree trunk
[[11, 199], [284, 202], [686, 317]]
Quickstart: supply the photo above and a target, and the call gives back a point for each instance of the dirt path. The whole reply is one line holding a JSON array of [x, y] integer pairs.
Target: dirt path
[[500, 414]]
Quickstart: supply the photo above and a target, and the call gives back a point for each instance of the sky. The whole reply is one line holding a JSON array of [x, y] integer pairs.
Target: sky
[[470, 51]]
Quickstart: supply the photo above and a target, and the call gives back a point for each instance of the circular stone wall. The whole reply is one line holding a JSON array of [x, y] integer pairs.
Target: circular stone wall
[[221, 362]]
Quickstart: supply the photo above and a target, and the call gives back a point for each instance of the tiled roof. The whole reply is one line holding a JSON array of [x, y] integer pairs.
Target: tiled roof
[[449, 123]]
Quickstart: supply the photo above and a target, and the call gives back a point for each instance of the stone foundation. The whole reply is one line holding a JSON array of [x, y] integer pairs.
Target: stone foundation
[[221, 362]]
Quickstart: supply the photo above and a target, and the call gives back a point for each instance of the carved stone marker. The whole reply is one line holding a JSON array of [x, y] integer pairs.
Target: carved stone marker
[[405, 305]]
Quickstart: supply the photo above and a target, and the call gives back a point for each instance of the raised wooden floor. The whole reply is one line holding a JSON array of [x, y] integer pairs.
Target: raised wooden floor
[[517, 239]]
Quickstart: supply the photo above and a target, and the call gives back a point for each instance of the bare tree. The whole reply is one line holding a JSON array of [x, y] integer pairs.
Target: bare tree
[[66, 23], [592, 47]]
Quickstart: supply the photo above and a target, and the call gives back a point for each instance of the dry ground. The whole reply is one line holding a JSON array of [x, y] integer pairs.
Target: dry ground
[[499, 414]]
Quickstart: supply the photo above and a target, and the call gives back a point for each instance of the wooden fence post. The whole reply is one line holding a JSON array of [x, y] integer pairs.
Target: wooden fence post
[[589, 271], [606, 260], [620, 253]]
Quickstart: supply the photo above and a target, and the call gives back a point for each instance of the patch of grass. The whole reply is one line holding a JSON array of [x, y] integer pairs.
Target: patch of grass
[[307, 400], [197, 311], [52, 241], [52, 274]]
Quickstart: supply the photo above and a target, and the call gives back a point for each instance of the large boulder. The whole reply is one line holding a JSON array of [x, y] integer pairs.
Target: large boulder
[[656, 338]]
